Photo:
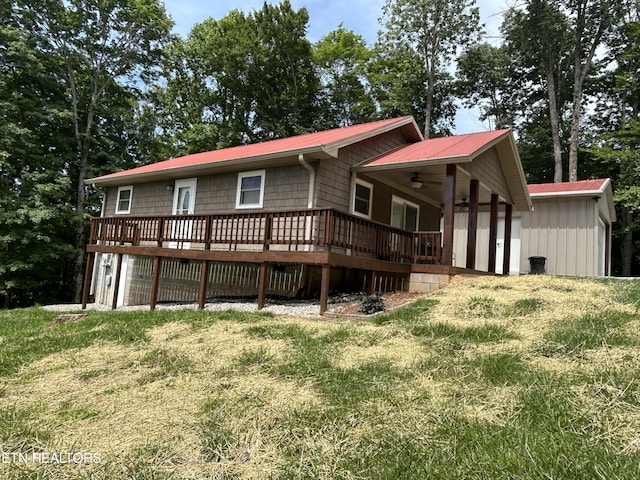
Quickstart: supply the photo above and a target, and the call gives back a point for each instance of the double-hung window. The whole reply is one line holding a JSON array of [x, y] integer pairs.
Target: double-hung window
[[362, 195], [250, 192], [123, 200]]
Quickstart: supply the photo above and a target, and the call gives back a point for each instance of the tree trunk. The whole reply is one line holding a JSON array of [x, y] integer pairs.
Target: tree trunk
[[627, 243], [576, 116], [554, 118]]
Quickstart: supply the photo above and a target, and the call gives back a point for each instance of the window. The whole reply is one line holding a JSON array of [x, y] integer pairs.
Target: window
[[123, 202], [404, 214], [362, 193], [250, 189]]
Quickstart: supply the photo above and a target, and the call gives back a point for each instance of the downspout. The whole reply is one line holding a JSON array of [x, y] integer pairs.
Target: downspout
[[312, 180]]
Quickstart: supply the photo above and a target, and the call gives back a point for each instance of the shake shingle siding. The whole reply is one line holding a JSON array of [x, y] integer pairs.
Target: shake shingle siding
[[286, 187], [334, 175]]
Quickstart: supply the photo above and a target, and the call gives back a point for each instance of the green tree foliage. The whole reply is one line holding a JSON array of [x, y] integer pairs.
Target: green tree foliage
[[484, 81], [239, 79], [342, 57], [422, 37], [538, 43], [35, 131], [102, 47], [71, 74]]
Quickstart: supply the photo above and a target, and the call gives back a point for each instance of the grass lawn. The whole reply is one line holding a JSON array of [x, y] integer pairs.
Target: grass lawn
[[531, 377]]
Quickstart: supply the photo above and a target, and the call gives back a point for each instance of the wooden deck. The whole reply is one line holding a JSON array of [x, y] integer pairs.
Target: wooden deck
[[323, 236]]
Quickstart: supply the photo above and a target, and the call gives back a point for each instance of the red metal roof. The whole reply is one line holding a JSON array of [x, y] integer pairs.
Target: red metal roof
[[437, 148], [320, 140], [582, 186]]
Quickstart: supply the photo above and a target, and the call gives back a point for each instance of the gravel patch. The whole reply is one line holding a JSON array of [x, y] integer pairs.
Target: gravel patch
[[290, 308]]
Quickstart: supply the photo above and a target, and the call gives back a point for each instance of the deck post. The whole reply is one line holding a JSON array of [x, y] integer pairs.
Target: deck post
[[449, 214], [324, 288], [157, 263], [204, 274], [493, 233], [87, 279], [472, 227], [371, 284], [116, 283], [262, 285], [508, 217]]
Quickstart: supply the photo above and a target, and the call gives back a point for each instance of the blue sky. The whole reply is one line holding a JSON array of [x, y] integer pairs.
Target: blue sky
[[361, 16]]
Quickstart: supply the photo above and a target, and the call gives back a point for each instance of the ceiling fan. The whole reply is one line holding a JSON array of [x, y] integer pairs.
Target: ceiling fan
[[417, 181], [462, 205]]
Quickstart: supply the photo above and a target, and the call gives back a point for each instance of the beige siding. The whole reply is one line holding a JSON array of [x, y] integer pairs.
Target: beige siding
[[565, 231]]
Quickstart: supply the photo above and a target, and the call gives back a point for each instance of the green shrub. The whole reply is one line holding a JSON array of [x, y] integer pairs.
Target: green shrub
[[372, 304]]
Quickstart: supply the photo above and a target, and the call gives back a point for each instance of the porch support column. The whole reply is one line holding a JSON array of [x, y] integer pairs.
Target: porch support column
[[116, 283], [87, 279], [324, 288], [157, 263], [449, 214], [204, 276], [262, 285], [508, 219], [493, 233], [472, 228]]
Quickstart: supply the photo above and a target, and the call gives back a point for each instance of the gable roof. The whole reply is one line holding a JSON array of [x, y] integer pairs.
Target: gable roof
[[584, 188], [323, 144], [461, 148]]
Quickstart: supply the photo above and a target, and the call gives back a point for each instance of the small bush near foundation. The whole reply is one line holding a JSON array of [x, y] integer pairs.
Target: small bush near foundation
[[372, 304]]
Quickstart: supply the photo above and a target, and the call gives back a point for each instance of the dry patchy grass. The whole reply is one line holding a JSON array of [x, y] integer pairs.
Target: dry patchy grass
[[519, 377]]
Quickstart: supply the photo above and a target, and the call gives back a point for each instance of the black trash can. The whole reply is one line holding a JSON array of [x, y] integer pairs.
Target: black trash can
[[537, 265]]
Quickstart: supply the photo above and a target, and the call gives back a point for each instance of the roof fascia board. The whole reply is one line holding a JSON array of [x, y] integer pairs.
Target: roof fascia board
[[431, 162], [190, 170], [508, 136], [490, 145]]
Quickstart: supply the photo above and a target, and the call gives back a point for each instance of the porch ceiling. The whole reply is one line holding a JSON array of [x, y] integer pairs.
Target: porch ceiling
[[433, 177]]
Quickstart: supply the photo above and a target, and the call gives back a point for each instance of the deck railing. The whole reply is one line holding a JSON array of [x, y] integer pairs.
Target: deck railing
[[293, 230]]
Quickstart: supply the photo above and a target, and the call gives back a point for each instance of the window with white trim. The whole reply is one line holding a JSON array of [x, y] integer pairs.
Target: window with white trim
[[250, 189], [362, 195], [404, 214], [123, 200]]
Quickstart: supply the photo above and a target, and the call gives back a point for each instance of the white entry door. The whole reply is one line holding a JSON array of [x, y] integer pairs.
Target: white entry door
[[514, 258], [184, 201]]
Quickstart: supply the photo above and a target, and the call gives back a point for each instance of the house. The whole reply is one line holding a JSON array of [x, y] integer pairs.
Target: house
[[570, 226], [365, 207]]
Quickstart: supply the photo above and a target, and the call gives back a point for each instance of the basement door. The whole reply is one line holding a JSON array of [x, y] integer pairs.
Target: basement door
[[184, 201]]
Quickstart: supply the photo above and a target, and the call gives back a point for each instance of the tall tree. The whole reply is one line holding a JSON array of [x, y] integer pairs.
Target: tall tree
[[99, 43], [616, 129], [483, 81], [539, 44], [240, 79], [593, 20], [435, 30], [341, 57], [35, 134], [285, 83]]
